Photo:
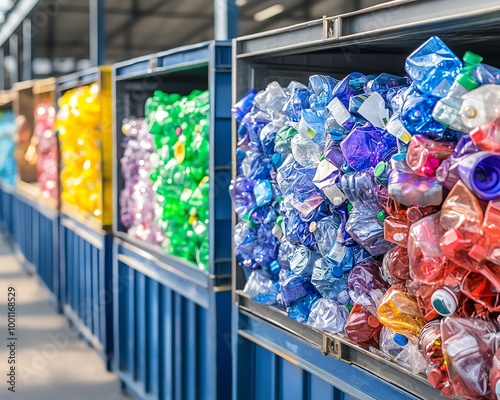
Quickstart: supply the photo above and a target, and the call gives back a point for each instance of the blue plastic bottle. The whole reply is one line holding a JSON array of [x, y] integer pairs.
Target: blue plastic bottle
[[433, 67]]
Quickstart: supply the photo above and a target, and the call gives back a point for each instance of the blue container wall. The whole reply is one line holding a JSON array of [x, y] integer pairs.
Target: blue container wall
[[46, 257], [24, 238], [86, 283], [271, 363], [8, 208], [171, 341]]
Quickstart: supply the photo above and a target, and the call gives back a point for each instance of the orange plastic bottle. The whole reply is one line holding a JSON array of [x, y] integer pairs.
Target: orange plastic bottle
[[399, 312]]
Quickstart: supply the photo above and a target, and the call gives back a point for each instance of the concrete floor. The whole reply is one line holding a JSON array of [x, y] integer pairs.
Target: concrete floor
[[51, 361]]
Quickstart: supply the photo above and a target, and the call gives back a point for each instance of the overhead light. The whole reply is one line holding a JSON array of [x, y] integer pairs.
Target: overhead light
[[269, 12], [241, 3]]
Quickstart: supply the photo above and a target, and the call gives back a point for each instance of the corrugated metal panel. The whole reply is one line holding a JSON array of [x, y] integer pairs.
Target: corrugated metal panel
[[7, 208], [24, 233], [86, 287], [169, 345]]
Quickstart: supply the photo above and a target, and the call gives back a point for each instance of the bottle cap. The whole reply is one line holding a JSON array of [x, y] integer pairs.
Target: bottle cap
[[337, 201], [400, 340], [373, 321], [276, 158], [467, 81], [336, 272], [350, 207], [471, 58], [274, 267], [380, 168], [435, 377], [444, 301], [381, 216], [312, 226], [240, 154], [478, 134]]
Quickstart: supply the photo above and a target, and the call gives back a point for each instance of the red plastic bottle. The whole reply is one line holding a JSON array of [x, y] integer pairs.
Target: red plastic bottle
[[487, 136], [424, 156]]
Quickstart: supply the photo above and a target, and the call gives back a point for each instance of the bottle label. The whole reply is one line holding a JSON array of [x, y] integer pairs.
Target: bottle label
[[374, 111], [339, 111], [339, 250], [395, 127], [330, 189]]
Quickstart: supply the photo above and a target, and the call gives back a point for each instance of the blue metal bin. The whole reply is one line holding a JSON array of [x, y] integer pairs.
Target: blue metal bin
[[85, 241], [37, 237], [173, 320]]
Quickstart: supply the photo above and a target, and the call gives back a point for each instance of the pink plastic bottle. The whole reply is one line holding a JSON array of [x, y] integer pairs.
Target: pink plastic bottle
[[427, 263], [487, 136], [424, 156]]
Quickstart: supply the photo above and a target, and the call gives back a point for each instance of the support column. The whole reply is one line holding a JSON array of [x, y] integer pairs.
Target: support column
[[226, 19], [2, 69], [97, 32], [27, 50], [14, 54]]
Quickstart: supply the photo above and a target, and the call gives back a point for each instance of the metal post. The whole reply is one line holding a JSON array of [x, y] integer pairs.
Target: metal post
[[13, 52], [27, 50], [226, 19], [2, 69], [97, 32]]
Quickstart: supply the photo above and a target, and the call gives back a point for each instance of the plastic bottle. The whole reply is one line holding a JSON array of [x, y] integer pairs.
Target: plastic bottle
[[461, 217], [495, 376], [433, 67], [321, 88], [363, 327], [366, 229], [302, 261], [468, 347], [366, 146], [481, 173], [480, 106], [396, 231], [427, 263], [487, 247], [416, 116], [330, 282], [361, 190], [399, 312], [425, 155], [410, 189], [447, 109], [328, 315], [396, 265], [365, 277], [383, 82], [487, 137], [447, 173], [241, 191], [244, 105], [261, 288], [392, 343], [430, 346]]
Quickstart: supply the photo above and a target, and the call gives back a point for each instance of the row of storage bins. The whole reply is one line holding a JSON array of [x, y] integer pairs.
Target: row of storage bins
[[170, 329]]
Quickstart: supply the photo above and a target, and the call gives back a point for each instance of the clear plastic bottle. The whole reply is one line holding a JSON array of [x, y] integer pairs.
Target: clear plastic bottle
[[480, 106]]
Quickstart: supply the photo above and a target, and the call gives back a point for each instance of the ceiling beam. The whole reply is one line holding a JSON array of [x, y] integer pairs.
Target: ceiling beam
[[126, 12]]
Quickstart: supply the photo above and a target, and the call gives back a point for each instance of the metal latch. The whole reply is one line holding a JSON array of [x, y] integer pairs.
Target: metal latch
[[334, 347], [330, 27], [153, 64]]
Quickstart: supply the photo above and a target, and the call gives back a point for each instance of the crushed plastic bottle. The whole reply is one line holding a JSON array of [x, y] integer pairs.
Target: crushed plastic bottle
[[328, 316]]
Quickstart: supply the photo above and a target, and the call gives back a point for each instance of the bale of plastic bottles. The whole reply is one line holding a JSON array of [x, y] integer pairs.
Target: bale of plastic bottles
[[369, 207]]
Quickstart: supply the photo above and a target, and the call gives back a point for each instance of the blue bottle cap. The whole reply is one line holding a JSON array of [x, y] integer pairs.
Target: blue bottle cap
[[240, 154], [276, 159], [275, 267], [400, 340], [336, 272]]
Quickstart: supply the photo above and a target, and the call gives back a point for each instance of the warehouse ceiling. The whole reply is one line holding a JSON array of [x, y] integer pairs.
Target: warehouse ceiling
[[138, 27]]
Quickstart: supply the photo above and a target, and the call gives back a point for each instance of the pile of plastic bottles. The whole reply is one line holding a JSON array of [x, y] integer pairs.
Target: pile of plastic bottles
[[7, 147], [179, 171], [369, 207], [137, 200], [46, 147], [77, 124]]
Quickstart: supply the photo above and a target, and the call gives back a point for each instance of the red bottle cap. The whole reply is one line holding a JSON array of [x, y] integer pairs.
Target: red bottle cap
[[435, 377], [373, 321], [478, 134]]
